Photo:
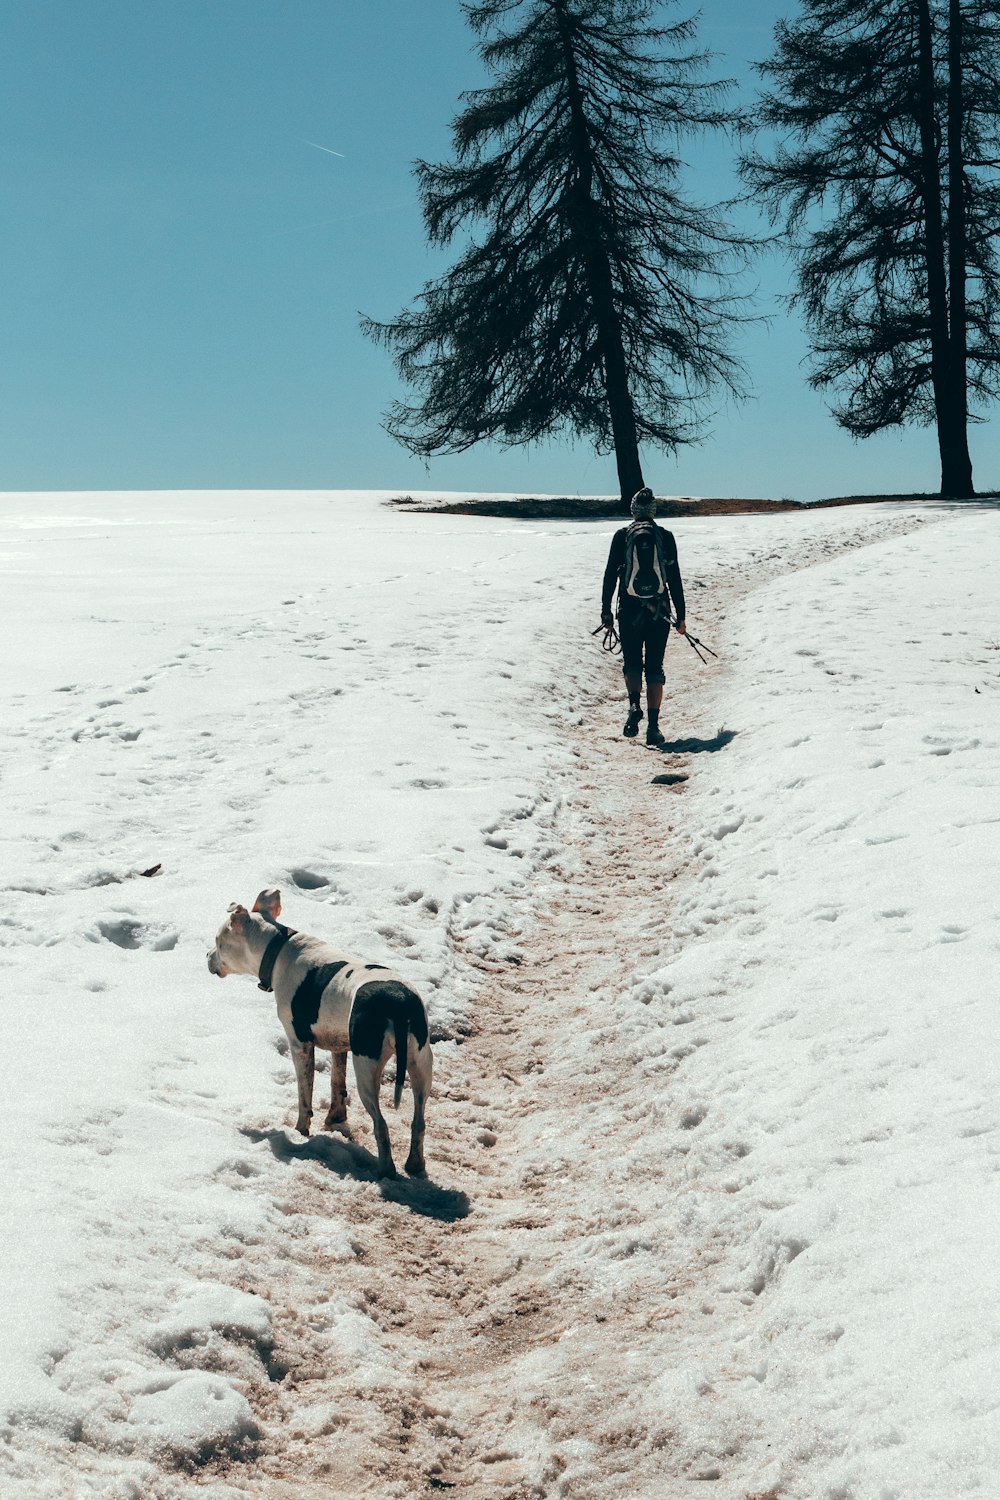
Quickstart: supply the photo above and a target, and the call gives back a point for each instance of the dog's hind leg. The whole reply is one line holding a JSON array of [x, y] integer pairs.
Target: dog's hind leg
[[420, 1067], [304, 1058], [337, 1113], [368, 1076]]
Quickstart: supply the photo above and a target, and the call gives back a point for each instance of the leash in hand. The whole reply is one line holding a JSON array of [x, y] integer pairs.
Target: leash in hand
[[610, 643]]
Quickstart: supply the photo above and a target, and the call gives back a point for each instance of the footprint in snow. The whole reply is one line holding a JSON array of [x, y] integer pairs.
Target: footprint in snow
[[131, 932], [307, 880]]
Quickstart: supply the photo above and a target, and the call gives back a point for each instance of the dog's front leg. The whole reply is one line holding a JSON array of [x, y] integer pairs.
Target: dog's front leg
[[304, 1058], [337, 1114]]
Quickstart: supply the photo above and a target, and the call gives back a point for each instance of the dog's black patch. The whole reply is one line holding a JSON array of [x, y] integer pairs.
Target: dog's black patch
[[305, 1001], [376, 966], [376, 1007]]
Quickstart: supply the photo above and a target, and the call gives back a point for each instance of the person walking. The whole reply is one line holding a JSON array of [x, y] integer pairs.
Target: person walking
[[642, 563]]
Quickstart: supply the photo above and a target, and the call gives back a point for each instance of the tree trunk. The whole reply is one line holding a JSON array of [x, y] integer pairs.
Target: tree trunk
[[952, 438], [616, 384], [600, 283], [956, 477]]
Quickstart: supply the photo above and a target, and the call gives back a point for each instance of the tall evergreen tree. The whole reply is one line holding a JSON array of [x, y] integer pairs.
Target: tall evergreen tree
[[887, 180], [589, 296]]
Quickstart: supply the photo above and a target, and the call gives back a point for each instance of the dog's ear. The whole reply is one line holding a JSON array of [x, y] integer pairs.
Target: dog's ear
[[268, 903], [237, 914]]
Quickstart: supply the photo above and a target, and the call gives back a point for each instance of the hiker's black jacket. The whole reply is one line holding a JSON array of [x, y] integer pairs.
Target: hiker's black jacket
[[616, 561]]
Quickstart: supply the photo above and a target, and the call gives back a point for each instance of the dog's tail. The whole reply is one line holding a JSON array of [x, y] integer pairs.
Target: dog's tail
[[402, 1029], [381, 1007]]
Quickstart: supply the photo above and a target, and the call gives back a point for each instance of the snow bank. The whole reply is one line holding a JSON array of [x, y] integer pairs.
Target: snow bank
[[832, 983], [211, 1310], [192, 1417]]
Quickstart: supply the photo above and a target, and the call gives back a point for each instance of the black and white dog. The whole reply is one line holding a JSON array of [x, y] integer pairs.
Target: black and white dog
[[329, 999]]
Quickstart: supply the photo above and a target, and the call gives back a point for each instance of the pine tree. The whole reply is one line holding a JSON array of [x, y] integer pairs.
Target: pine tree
[[589, 297], [886, 179]]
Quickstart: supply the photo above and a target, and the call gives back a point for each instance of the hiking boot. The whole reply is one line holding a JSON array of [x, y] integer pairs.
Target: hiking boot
[[632, 723], [654, 734]]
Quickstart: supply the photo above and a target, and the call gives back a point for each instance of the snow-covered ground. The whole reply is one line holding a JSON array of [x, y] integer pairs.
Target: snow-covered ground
[[832, 970], [714, 1150]]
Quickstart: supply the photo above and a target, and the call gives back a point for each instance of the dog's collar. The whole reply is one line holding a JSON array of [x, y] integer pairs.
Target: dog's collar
[[271, 952]]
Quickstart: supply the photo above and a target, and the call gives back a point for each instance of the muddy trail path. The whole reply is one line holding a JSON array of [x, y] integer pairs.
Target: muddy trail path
[[509, 1296]]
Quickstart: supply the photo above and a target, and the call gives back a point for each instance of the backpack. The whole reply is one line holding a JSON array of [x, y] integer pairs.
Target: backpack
[[644, 571]]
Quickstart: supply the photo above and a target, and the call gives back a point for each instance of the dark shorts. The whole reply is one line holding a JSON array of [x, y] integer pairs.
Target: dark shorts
[[644, 640]]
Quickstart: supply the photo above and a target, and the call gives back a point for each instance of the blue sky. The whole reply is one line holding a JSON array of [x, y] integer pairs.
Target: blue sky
[[182, 272]]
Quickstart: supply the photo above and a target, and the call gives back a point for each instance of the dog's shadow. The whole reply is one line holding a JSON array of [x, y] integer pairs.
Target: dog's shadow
[[693, 746], [340, 1154]]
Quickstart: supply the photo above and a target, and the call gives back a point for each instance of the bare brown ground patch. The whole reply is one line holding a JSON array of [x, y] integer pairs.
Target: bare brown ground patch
[[606, 508]]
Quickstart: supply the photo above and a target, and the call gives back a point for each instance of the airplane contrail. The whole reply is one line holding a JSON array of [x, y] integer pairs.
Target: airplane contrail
[[319, 147]]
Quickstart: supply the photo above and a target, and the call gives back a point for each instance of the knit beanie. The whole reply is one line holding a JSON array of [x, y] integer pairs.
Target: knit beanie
[[643, 505]]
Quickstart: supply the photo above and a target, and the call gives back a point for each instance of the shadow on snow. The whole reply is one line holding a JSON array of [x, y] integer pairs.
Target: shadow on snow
[[694, 746], [346, 1158]]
